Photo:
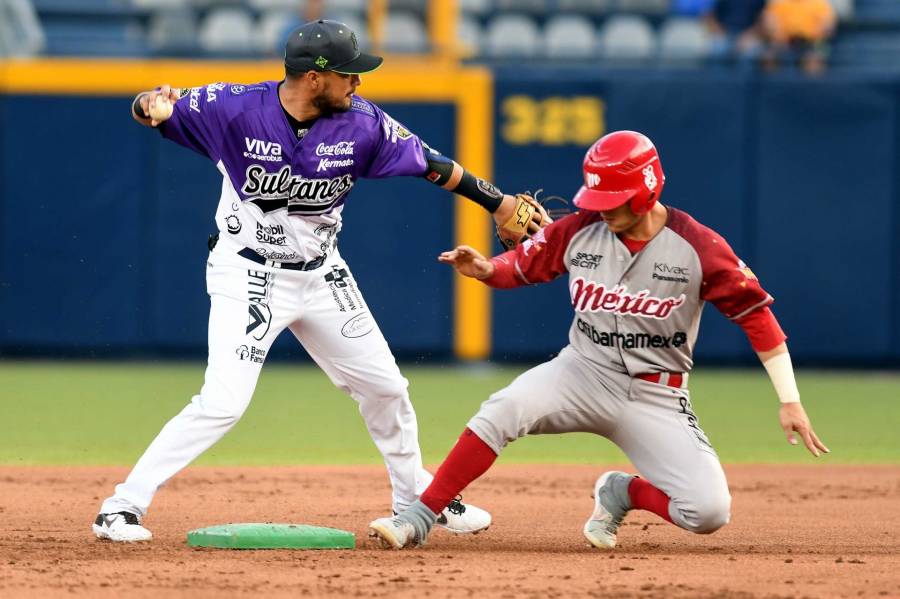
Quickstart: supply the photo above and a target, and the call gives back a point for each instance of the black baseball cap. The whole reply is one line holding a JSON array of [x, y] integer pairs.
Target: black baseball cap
[[327, 46]]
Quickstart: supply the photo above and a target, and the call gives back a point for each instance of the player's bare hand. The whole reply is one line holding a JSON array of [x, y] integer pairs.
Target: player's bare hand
[[166, 93], [794, 422], [468, 262]]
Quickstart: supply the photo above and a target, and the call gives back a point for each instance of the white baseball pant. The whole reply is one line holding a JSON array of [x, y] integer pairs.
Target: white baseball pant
[[250, 305], [653, 424]]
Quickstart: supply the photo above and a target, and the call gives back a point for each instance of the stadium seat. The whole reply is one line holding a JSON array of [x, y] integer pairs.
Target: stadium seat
[[843, 9], [470, 34], [357, 6], [272, 30], [20, 30], [533, 7], [475, 7], [95, 38], [207, 5], [867, 50], [627, 38], [357, 23], [83, 7], [158, 5], [173, 31], [878, 11], [405, 33], [414, 7], [227, 30], [569, 36], [683, 41], [512, 35], [646, 7], [586, 7], [265, 6]]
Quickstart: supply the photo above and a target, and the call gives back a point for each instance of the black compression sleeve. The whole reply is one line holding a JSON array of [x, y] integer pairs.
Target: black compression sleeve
[[438, 168], [483, 193]]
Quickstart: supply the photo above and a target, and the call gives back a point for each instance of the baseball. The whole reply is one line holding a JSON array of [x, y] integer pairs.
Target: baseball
[[160, 109]]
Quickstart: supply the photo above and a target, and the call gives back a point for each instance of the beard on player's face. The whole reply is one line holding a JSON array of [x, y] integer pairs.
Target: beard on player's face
[[328, 104], [336, 94]]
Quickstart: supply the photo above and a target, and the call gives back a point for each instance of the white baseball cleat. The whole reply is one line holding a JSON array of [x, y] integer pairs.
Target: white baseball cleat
[[392, 533], [122, 527], [460, 518], [609, 509]]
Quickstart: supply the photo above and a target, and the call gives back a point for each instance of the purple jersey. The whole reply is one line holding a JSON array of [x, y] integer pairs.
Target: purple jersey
[[282, 196]]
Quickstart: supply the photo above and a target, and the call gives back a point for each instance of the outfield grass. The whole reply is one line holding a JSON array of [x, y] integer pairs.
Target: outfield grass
[[88, 413]]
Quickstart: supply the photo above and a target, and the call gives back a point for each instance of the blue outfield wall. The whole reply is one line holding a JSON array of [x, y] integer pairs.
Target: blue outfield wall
[[103, 224], [800, 176]]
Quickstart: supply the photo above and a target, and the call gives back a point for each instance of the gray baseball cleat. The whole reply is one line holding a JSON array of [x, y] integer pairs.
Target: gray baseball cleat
[[122, 527], [393, 533], [460, 518], [611, 503]]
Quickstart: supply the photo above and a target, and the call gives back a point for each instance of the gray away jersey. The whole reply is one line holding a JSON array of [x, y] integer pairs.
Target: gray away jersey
[[282, 196], [639, 313]]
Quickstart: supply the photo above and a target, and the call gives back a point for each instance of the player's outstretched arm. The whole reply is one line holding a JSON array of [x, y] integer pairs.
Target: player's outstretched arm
[[792, 416], [517, 217], [468, 262], [152, 107]]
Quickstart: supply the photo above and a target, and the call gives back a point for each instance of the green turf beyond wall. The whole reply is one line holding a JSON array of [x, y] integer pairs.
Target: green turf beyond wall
[[65, 413]]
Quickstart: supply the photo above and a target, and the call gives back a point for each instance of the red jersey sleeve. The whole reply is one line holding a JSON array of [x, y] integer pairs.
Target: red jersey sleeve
[[762, 329], [541, 258], [727, 282]]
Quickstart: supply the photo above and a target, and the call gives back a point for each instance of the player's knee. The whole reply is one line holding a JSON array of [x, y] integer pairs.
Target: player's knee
[[225, 407], [709, 513], [497, 422], [387, 388], [379, 392]]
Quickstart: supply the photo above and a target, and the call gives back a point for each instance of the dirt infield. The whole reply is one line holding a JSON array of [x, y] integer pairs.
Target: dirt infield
[[818, 531]]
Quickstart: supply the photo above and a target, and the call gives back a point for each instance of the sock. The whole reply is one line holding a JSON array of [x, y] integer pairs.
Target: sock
[[470, 458], [645, 496], [422, 519]]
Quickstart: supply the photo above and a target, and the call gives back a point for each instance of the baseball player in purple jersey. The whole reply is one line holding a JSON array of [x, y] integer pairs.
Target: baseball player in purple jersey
[[639, 275], [289, 153]]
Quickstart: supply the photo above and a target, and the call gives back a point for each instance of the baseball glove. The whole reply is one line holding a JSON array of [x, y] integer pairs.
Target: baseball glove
[[529, 217]]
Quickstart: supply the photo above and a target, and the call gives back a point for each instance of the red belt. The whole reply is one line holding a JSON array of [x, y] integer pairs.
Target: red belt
[[672, 379]]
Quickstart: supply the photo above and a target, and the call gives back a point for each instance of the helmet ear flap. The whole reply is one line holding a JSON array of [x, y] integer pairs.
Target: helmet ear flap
[[641, 203]]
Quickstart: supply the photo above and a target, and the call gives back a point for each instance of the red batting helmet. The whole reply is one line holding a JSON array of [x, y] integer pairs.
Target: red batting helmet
[[621, 166]]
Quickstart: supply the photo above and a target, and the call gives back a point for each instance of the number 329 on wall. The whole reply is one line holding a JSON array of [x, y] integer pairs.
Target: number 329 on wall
[[552, 121]]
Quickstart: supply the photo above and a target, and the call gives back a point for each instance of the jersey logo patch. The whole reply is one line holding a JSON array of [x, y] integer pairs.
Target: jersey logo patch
[[282, 189], [588, 296], [358, 326], [631, 340], [211, 90], [257, 319], [260, 315], [394, 130], [362, 106], [233, 223], [745, 270], [259, 149]]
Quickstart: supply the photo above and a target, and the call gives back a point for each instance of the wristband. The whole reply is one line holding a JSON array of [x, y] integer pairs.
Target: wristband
[[781, 371]]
